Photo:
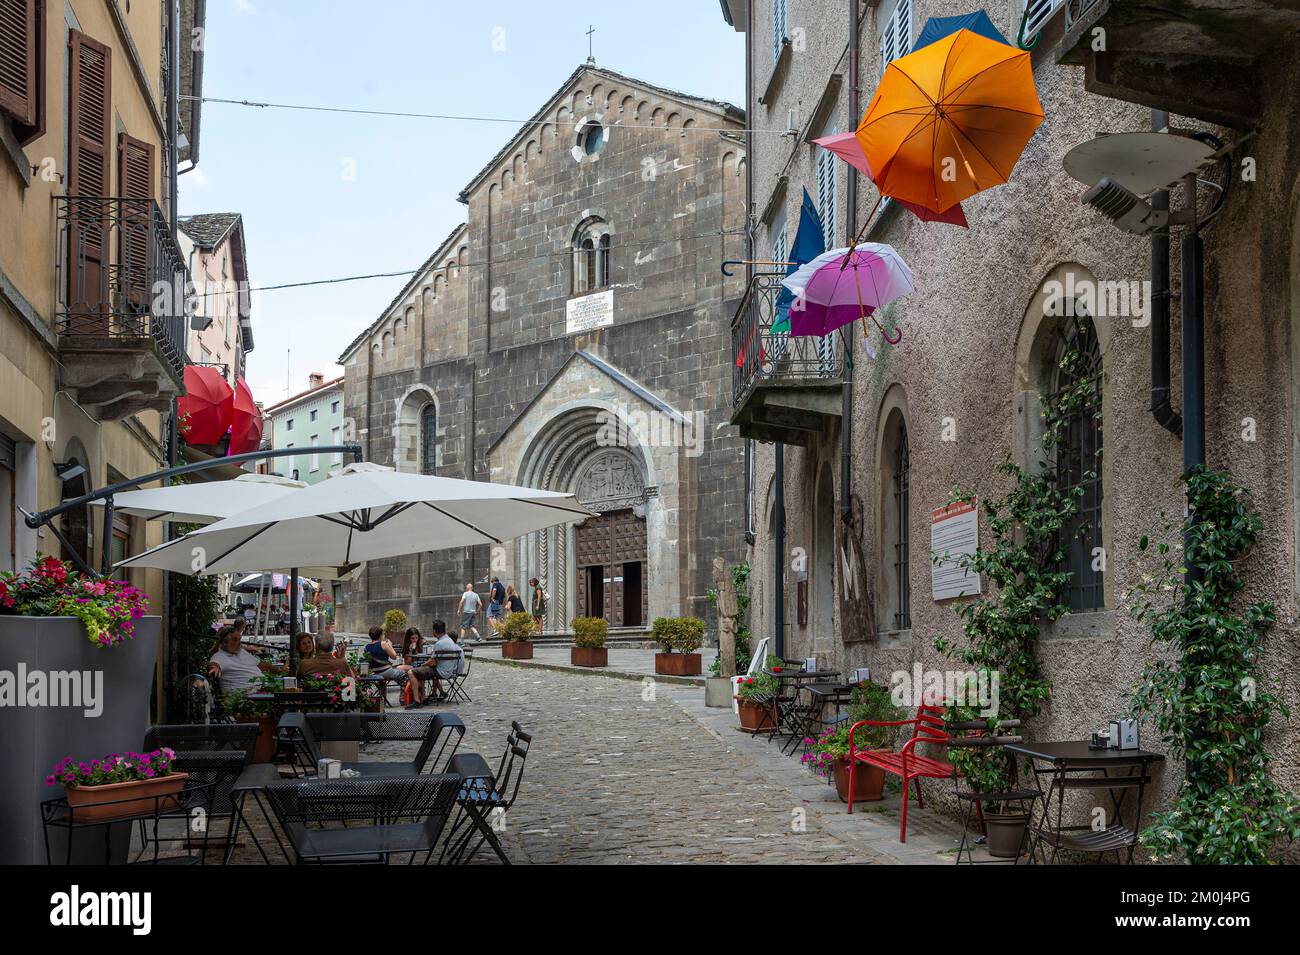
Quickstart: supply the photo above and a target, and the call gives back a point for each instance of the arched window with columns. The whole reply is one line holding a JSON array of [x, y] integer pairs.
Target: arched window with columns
[[591, 248]]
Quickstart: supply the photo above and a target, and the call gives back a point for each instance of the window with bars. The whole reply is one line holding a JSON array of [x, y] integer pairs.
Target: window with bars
[[1078, 464], [902, 535], [896, 34], [780, 26], [429, 440]]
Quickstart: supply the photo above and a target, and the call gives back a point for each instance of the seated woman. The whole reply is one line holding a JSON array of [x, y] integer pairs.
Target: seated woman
[[413, 643], [384, 661], [306, 646]]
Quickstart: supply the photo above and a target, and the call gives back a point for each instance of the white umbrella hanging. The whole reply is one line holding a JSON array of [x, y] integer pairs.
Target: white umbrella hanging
[[203, 501], [366, 512]]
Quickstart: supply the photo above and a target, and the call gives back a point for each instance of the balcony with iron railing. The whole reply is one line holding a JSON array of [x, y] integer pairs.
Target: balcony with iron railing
[[783, 387], [121, 318]]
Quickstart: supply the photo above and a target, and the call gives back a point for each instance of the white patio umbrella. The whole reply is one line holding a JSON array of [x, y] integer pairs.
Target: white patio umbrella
[[365, 512], [203, 501]]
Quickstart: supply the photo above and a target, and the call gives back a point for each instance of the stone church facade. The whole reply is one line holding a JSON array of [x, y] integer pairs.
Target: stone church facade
[[574, 334]]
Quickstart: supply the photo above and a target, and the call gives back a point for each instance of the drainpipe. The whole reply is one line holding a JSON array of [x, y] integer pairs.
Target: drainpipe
[[779, 548], [749, 239], [851, 226], [1161, 405]]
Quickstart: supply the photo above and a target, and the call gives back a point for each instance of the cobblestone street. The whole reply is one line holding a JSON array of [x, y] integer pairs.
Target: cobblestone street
[[622, 771]]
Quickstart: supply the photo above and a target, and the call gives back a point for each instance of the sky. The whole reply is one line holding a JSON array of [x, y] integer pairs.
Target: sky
[[326, 195]]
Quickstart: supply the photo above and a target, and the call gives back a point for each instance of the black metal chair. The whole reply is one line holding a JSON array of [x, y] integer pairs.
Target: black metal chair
[[295, 729], [202, 736], [398, 816], [485, 797], [454, 685]]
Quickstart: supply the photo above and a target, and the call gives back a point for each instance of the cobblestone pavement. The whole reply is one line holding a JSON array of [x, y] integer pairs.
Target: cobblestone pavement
[[622, 772]]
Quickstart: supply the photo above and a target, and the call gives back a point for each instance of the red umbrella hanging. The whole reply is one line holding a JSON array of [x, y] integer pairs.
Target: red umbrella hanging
[[847, 147], [206, 406], [246, 429]]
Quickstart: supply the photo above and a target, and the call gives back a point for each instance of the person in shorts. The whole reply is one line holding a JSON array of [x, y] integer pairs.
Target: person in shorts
[[468, 607], [436, 671], [496, 611]]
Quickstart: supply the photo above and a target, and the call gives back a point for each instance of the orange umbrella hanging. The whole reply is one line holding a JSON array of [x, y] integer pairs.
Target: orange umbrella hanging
[[950, 120]]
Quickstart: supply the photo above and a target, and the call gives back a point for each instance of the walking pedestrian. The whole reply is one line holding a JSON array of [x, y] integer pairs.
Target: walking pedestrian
[[514, 604], [496, 604], [469, 606], [539, 600]]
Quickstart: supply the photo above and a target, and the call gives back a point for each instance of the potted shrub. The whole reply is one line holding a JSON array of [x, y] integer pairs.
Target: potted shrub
[[680, 638], [517, 636], [756, 703], [119, 785], [828, 755], [394, 625], [589, 635], [56, 620]]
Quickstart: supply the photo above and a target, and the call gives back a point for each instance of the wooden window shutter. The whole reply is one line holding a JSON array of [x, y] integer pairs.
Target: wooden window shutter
[[90, 118], [19, 60], [135, 172]]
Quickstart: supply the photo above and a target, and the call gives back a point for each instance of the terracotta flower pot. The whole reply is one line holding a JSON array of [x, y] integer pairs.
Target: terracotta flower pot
[[868, 782], [1006, 833], [120, 800], [517, 650], [754, 717], [264, 747], [677, 664], [589, 657]]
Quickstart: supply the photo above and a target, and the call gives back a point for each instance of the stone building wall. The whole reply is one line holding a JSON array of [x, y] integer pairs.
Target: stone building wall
[[971, 358], [669, 184]]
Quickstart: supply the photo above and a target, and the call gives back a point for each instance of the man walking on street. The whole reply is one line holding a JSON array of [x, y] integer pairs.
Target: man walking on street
[[469, 604]]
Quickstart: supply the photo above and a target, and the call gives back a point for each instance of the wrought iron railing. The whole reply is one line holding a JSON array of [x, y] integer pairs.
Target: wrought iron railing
[[759, 354], [121, 274]]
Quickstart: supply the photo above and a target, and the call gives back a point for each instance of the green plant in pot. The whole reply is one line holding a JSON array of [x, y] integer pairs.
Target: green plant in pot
[[680, 639], [394, 624], [589, 635], [828, 754], [1203, 692], [517, 633]]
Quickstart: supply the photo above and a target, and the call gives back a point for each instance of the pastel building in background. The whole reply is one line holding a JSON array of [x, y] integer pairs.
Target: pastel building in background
[[308, 420]]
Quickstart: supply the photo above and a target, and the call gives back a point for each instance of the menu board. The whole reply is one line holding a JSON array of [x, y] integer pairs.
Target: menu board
[[954, 530]]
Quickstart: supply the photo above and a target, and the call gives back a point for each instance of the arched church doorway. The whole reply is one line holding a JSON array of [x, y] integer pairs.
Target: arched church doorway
[[611, 559]]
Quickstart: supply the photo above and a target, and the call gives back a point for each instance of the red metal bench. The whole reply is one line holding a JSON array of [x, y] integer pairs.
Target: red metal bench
[[928, 727]]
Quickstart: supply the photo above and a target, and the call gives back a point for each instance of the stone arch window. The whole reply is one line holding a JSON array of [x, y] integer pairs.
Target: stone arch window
[[415, 437], [895, 524], [429, 439], [1077, 460], [591, 247]]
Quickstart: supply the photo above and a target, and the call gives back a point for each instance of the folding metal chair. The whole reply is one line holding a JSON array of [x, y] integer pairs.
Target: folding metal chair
[[455, 684], [485, 796]]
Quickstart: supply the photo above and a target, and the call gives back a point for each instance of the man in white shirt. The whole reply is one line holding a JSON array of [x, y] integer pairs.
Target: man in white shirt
[[469, 604], [442, 666], [232, 664]]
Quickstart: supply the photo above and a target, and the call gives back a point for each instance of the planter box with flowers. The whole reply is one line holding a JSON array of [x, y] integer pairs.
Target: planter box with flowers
[[828, 754], [119, 786], [755, 702], [589, 634], [681, 638], [517, 636], [82, 654]]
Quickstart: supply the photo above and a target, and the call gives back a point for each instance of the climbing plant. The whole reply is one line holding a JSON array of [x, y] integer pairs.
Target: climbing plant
[[1203, 695], [1023, 561]]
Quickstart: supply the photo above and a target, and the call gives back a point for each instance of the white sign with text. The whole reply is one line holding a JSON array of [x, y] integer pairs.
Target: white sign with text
[[588, 312], [954, 531]]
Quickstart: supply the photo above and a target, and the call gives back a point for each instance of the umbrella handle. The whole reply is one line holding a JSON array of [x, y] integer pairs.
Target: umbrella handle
[[895, 339], [728, 272]]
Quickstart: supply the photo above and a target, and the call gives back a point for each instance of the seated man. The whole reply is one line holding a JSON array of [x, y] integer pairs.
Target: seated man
[[232, 664], [437, 670], [323, 660]]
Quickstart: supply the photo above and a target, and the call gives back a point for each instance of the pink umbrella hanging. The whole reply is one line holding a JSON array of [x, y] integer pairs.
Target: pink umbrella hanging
[[848, 148], [843, 285]]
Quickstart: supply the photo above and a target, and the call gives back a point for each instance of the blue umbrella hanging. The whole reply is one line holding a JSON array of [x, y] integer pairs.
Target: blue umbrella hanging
[[936, 28]]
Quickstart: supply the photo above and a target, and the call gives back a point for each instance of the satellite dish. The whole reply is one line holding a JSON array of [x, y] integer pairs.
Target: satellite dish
[[1140, 162]]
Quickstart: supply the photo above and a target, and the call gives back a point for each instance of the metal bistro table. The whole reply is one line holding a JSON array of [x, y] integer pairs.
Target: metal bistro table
[[790, 713], [811, 715], [1073, 765]]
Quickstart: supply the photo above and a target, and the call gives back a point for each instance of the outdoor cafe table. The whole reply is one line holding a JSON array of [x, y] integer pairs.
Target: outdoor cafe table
[[1073, 765], [791, 716]]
